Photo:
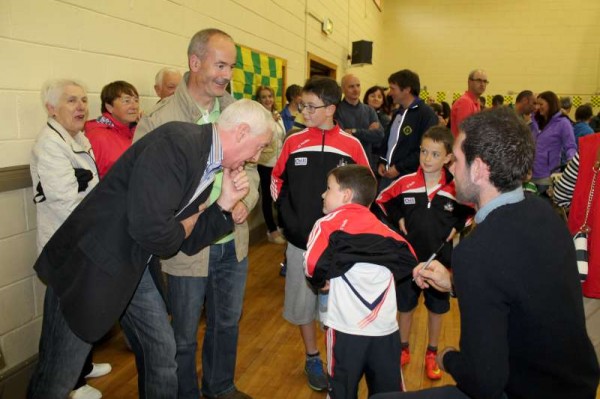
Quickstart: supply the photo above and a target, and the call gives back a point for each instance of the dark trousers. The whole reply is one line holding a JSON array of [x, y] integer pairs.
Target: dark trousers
[[378, 358]]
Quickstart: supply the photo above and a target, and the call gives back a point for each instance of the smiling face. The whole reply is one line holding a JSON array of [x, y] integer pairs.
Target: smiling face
[[265, 97], [213, 73], [71, 110], [125, 108], [543, 107], [334, 196], [321, 117], [375, 99]]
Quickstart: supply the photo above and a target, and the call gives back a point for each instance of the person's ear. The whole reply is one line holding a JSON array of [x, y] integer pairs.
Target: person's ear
[[480, 172], [448, 158], [194, 63], [242, 131], [51, 109], [330, 110], [347, 195], [109, 108]]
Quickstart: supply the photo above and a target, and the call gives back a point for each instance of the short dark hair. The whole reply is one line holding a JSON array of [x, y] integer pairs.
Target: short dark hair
[[291, 92], [385, 105], [565, 102], [359, 179], [583, 112], [524, 94], [440, 134], [406, 78], [498, 99], [503, 142], [327, 89], [114, 90]]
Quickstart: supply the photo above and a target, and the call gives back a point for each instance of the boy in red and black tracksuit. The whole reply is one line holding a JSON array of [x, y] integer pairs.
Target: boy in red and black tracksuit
[[422, 205], [298, 179], [359, 260]]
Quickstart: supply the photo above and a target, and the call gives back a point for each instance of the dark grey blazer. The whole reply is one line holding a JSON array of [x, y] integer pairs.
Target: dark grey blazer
[[96, 258]]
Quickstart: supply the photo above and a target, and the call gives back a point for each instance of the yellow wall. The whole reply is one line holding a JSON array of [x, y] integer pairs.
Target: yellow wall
[[522, 44]]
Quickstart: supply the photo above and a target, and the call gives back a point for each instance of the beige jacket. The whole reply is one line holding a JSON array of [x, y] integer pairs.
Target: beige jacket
[[181, 107]]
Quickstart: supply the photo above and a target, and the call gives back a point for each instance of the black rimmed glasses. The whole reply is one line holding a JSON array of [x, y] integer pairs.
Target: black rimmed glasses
[[309, 107]]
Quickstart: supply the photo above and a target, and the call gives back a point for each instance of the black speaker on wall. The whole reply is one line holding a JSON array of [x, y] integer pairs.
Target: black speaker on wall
[[362, 52]]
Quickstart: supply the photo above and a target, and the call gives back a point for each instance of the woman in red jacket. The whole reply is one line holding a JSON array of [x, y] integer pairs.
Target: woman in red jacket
[[574, 189], [112, 132]]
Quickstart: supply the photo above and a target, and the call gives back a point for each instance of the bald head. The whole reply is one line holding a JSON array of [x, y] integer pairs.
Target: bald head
[[351, 88], [478, 82]]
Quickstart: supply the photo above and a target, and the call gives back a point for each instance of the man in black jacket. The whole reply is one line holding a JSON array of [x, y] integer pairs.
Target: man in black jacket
[[399, 150], [101, 266], [515, 276]]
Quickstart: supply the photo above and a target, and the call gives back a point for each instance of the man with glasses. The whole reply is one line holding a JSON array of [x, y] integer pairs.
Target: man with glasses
[[299, 179], [468, 103], [215, 277]]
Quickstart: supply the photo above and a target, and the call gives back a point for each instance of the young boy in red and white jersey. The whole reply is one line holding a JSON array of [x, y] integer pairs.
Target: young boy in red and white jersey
[[424, 207], [358, 259]]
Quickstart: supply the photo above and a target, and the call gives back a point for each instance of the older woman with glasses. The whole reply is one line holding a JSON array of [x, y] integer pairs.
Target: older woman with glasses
[[63, 172], [112, 132]]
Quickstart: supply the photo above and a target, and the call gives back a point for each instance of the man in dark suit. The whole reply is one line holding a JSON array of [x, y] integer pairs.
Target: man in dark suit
[[102, 264]]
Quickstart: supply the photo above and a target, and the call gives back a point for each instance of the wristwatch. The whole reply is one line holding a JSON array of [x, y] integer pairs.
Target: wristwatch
[[223, 211]]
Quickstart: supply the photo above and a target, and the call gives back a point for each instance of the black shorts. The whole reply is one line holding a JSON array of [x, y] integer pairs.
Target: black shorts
[[407, 294]]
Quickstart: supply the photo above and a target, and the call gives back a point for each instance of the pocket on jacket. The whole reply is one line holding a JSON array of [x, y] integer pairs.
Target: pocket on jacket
[[98, 254]]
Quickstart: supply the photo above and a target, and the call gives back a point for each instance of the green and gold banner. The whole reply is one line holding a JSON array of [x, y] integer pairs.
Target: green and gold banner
[[253, 69]]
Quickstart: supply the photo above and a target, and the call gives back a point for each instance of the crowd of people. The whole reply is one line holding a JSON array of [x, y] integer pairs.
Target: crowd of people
[[367, 197]]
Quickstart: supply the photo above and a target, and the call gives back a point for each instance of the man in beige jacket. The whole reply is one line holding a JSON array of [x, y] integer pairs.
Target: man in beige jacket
[[218, 273]]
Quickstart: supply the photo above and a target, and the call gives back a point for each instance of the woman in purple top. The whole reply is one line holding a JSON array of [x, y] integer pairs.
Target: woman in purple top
[[555, 136]]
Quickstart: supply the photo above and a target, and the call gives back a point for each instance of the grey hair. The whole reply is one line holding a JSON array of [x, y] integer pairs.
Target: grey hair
[[247, 111], [199, 42], [158, 79], [54, 88]]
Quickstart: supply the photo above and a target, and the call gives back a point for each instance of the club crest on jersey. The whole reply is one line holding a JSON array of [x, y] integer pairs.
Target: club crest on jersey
[[301, 161], [448, 207], [409, 201], [342, 162], [406, 130]]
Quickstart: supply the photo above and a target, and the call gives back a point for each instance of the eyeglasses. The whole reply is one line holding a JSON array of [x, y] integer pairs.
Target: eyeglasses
[[128, 100], [309, 107], [484, 81]]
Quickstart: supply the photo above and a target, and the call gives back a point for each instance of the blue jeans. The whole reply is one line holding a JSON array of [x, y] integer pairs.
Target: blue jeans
[[146, 324], [223, 290], [61, 354]]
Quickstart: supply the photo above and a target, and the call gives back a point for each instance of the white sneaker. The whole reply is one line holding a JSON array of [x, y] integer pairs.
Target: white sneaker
[[99, 370], [86, 392]]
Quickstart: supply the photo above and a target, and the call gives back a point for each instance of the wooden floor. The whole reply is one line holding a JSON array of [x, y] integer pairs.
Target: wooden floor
[[270, 355]]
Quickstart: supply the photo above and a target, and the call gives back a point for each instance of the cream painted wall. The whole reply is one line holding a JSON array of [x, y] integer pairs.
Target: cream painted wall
[[522, 44], [101, 41]]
